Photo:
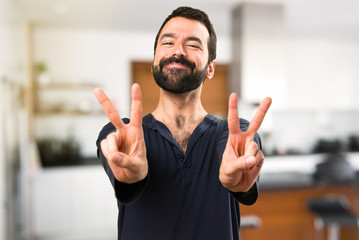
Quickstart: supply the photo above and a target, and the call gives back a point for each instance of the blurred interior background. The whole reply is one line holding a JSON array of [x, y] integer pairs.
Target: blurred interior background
[[53, 53]]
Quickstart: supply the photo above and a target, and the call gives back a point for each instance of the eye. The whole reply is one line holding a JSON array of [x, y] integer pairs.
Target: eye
[[167, 43], [193, 46]]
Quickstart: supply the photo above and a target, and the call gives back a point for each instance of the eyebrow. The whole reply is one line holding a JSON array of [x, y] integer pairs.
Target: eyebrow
[[173, 35]]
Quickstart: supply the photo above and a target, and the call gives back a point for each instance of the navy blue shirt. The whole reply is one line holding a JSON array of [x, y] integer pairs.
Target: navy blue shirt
[[181, 198]]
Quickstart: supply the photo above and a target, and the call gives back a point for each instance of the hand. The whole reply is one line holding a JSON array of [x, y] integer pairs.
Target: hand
[[125, 149], [242, 160]]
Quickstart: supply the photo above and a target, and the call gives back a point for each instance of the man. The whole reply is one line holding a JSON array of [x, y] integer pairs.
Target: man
[[179, 172]]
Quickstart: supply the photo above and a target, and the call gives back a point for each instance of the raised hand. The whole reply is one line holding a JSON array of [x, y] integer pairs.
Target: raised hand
[[125, 149], [242, 160]]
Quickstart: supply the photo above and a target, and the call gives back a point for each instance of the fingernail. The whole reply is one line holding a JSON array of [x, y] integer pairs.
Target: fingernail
[[117, 158], [114, 159], [250, 161]]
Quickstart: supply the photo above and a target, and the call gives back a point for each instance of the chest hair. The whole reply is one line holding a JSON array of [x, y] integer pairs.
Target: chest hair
[[182, 130]]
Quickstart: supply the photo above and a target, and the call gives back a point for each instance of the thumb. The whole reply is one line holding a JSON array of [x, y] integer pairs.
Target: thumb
[[250, 161], [251, 148], [244, 163]]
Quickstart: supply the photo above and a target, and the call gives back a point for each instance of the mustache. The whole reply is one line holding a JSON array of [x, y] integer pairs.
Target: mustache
[[181, 60]]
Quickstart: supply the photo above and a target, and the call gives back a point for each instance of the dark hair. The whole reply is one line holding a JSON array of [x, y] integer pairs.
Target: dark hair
[[200, 16]]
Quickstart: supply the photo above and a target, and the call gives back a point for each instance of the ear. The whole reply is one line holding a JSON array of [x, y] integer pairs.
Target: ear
[[210, 69]]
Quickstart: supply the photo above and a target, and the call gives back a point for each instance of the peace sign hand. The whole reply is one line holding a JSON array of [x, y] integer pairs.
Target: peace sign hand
[[241, 160], [125, 149]]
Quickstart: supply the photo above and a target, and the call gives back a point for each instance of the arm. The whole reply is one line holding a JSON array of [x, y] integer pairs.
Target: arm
[[242, 159], [125, 193]]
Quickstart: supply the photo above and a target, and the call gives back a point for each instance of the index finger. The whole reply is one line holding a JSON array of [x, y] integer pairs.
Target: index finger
[[136, 105], [109, 109], [259, 116]]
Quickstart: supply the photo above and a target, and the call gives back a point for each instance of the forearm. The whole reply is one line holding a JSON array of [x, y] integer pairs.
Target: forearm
[[125, 193]]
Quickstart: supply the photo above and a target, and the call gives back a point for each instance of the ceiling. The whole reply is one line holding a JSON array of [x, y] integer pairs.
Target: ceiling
[[338, 16]]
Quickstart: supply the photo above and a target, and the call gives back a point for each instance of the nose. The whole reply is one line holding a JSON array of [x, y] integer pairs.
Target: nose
[[179, 50]]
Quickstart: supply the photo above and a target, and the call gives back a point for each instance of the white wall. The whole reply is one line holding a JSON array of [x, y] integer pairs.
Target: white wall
[[311, 74], [323, 72], [12, 52], [259, 42], [322, 80]]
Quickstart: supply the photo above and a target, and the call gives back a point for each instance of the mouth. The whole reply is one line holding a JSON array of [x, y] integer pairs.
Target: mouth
[[176, 65]]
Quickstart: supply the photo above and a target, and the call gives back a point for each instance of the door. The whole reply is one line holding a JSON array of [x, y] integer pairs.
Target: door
[[214, 94]]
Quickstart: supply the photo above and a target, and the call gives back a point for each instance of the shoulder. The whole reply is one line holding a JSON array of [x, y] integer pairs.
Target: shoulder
[[222, 122], [215, 121], [243, 123], [107, 129], [147, 121]]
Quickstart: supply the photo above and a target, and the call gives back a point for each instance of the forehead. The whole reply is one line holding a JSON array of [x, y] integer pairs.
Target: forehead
[[186, 27]]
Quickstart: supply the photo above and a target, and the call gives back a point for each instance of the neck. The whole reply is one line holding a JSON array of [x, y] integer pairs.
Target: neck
[[181, 113], [180, 108]]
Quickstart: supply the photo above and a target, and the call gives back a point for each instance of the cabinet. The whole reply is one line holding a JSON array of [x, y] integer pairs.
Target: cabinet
[[67, 121], [284, 214], [74, 203], [67, 99]]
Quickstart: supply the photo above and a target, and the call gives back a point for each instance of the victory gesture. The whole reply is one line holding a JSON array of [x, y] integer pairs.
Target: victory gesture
[[125, 149], [242, 160]]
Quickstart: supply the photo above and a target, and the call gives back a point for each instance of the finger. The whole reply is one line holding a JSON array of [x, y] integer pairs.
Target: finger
[[251, 149], [109, 109], [136, 105], [112, 143], [233, 120], [255, 160], [260, 159], [104, 148], [119, 159], [252, 158], [259, 116], [256, 167], [122, 160], [244, 163]]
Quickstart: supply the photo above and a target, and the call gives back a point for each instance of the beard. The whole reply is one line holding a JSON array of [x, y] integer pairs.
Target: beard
[[178, 80]]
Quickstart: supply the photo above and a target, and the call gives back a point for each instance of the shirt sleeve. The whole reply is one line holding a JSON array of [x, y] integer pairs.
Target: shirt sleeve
[[250, 197], [125, 193]]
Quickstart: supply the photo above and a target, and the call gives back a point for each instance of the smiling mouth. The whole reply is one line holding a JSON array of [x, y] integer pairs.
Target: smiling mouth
[[176, 65]]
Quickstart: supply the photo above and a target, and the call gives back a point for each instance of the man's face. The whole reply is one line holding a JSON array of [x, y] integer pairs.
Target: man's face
[[181, 59]]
